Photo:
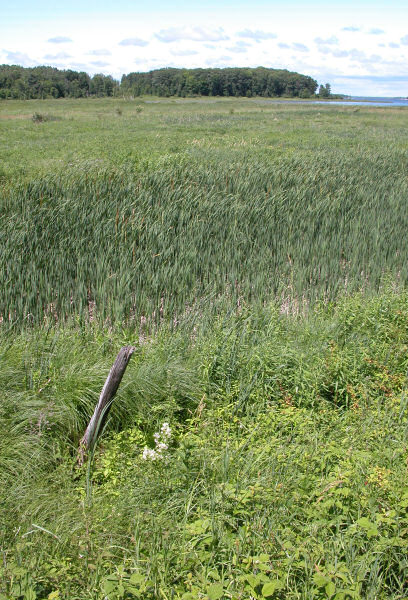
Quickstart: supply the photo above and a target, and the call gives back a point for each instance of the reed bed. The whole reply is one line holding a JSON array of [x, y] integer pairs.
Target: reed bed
[[133, 244]]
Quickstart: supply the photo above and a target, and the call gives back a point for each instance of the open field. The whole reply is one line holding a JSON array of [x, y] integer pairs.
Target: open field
[[149, 128], [256, 254]]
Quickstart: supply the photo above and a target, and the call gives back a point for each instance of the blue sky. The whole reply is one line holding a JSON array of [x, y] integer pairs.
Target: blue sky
[[360, 46]]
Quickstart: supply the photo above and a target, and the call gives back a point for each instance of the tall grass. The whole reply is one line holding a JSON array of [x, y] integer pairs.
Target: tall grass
[[257, 259], [287, 465], [128, 245]]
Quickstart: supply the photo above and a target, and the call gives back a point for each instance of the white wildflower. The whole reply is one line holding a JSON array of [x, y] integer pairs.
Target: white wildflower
[[165, 431], [161, 441], [149, 454]]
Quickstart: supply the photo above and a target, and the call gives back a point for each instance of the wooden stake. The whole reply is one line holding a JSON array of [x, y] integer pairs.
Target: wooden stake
[[102, 409]]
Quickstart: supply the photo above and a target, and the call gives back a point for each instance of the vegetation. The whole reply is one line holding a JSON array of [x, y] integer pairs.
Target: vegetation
[[285, 476], [49, 82], [25, 83], [219, 82], [253, 253], [149, 237], [325, 91]]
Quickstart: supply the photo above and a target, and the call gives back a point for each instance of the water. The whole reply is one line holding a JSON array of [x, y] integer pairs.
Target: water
[[368, 101], [351, 101]]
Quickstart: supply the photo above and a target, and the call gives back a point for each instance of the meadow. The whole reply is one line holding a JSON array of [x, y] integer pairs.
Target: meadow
[[255, 254]]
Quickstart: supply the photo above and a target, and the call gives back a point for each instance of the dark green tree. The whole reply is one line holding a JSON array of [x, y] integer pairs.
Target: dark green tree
[[325, 90]]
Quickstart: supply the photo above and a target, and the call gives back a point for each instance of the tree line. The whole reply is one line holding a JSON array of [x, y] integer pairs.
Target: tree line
[[219, 82], [49, 82]]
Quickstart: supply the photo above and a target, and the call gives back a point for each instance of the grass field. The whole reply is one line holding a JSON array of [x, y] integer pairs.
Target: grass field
[[256, 255]]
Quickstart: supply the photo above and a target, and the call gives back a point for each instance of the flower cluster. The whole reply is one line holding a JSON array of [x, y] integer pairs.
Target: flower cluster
[[161, 440]]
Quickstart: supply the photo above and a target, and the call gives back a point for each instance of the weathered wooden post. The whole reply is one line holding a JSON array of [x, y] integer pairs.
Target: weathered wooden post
[[102, 409]]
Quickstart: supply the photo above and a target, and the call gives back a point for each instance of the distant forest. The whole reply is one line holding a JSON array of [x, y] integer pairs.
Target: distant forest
[[219, 82], [48, 82]]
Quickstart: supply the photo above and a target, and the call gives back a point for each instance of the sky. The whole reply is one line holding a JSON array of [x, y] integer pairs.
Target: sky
[[360, 47]]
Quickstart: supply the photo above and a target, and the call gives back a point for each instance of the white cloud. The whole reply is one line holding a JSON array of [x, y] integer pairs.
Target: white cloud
[[183, 52], [300, 47], [196, 34], [351, 28], [60, 39], [357, 54], [78, 65], [370, 85], [339, 53], [19, 58], [58, 56], [100, 52], [99, 63], [218, 62], [257, 35], [239, 48], [133, 42], [376, 31], [335, 52], [360, 57], [327, 42]]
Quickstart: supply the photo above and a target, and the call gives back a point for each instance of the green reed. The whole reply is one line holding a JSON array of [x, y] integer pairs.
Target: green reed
[[125, 243]]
